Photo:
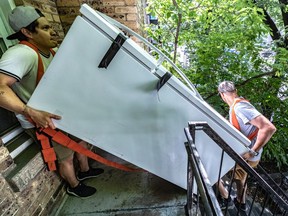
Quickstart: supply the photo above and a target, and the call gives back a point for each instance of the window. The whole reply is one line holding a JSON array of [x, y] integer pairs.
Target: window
[[7, 119]]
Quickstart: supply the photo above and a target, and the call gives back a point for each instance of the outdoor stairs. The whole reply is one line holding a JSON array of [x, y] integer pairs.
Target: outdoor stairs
[[255, 211], [256, 208], [24, 161]]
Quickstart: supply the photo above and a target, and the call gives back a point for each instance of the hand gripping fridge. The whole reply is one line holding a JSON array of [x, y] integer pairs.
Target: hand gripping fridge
[[113, 94]]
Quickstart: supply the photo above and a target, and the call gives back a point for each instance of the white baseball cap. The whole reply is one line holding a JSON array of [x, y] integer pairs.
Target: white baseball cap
[[20, 17]]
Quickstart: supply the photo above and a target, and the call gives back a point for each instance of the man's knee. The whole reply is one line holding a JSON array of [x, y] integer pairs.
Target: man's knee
[[68, 161], [83, 143]]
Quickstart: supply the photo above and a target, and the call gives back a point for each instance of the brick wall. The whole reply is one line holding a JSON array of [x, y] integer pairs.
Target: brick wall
[[49, 9], [128, 12], [31, 191]]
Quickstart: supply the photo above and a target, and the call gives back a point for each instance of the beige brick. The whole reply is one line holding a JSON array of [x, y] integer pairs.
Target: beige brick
[[37, 204], [117, 16], [49, 185], [4, 153], [57, 26], [138, 41], [6, 191], [8, 201], [29, 196], [68, 11], [113, 3], [38, 211], [7, 165], [132, 17], [48, 16], [61, 35], [92, 3], [56, 18], [41, 1], [49, 9], [106, 10], [67, 3], [128, 9], [24, 176], [132, 25], [9, 207], [130, 2]]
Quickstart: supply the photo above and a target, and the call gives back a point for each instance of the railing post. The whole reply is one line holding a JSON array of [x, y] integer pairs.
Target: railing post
[[208, 198], [274, 192]]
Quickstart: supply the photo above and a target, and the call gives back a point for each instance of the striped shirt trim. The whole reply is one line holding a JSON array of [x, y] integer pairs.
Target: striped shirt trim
[[10, 74], [43, 54]]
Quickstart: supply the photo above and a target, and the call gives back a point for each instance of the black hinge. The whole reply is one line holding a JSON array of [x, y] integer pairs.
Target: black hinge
[[114, 48]]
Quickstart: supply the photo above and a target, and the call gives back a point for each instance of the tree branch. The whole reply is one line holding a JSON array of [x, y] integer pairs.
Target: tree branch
[[176, 39], [283, 4], [245, 82], [275, 34]]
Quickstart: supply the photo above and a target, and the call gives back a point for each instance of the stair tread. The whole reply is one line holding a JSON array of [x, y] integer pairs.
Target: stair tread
[[23, 158]]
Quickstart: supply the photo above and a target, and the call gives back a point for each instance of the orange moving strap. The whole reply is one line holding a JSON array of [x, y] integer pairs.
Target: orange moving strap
[[48, 152], [64, 140], [235, 122], [40, 72]]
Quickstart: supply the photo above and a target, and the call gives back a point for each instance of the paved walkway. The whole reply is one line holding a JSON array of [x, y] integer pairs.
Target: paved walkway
[[127, 194]]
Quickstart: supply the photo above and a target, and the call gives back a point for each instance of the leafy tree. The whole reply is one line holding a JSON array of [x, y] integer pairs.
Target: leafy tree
[[243, 41]]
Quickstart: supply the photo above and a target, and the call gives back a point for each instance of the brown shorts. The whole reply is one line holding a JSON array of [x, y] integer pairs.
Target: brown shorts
[[62, 152], [240, 174]]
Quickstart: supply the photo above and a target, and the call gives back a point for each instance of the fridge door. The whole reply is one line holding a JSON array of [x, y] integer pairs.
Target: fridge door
[[119, 108]]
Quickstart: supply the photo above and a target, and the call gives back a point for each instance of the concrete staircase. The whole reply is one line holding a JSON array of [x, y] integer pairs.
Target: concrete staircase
[[126, 194]]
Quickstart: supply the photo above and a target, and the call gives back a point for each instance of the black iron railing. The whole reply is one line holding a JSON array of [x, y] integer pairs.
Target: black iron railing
[[204, 189], [265, 198]]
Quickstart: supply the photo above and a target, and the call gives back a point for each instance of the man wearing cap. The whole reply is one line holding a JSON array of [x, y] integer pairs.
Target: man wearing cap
[[254, 126], [19, 70]]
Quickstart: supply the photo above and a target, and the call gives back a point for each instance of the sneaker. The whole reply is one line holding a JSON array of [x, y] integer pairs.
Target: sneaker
[[91, 173], [240, 206], [225, 203], [81, 190]]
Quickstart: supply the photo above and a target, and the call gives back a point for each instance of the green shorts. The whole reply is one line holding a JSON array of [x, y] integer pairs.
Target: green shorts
[[62, 152]]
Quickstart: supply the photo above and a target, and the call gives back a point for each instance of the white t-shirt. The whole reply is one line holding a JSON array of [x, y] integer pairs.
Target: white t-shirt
[[245, 112], [21, 62]]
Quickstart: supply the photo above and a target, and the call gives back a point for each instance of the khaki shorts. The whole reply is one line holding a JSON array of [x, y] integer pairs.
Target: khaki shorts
[[240, 174], [62, 152]]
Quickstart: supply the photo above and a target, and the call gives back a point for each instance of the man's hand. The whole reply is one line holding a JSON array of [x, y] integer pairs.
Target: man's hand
[[248, 155], [41, 118]]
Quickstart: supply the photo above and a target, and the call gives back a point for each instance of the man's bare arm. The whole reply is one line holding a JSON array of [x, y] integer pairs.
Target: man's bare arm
[[265, 132], [10, 101]]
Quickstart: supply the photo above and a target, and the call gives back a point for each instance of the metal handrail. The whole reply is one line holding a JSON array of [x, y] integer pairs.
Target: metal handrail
[[195, 166], [278, 197]]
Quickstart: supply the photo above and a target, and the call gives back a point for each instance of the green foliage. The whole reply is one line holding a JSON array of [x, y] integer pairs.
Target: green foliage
[[227, 40]]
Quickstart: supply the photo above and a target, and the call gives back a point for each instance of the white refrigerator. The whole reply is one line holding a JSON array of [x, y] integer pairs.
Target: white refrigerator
[[104, 86]]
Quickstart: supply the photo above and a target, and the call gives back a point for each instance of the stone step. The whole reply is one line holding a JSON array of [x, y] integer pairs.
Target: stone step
[[18, 144], [28, 164], [255, 211]]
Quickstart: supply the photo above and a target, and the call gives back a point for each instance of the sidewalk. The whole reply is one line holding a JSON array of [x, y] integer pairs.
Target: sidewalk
[[127, 194]]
